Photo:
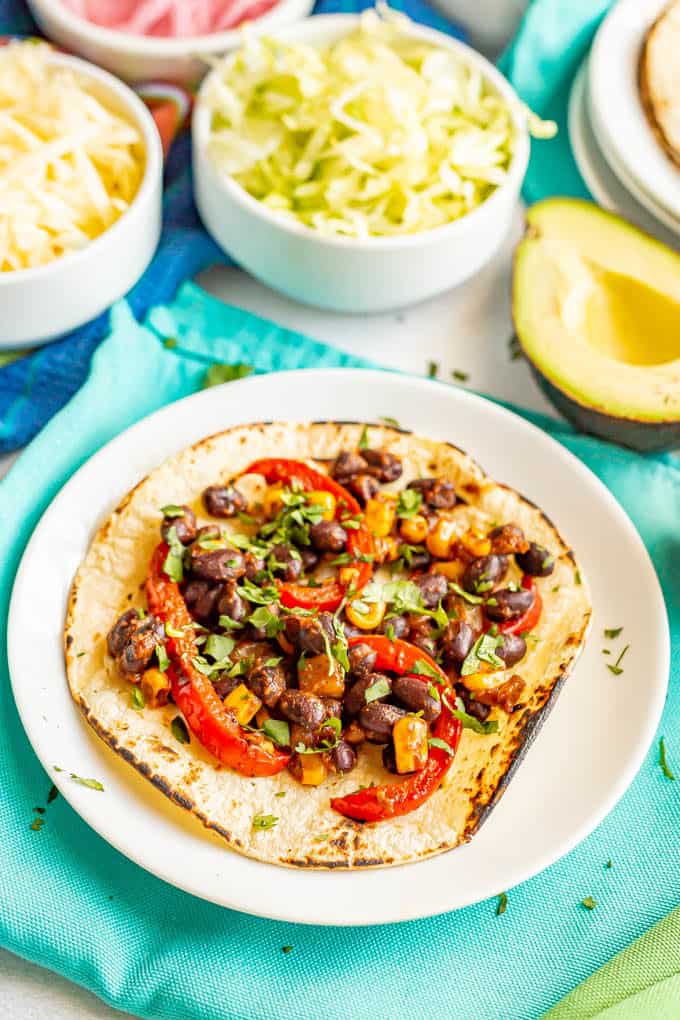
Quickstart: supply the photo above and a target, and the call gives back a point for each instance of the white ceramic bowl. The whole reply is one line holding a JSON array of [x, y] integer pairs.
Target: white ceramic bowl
[[347, 274], [37, 305], [137, 58]]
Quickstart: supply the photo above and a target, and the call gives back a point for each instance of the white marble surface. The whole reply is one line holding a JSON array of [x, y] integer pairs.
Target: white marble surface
[[466, 330]]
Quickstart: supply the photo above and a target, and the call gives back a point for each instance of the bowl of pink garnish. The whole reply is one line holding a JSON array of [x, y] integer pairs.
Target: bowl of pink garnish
[[171, 40]]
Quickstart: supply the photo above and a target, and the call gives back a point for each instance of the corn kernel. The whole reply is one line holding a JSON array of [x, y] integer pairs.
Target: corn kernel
[[409, 735], [272, 502], [155, 687], [475, 543], [313, 769], [414, 529], [325, 500], [321, 676], [243, 703], [379, 516], [365, 615], [442, 538], [483, 681], [452, 569]]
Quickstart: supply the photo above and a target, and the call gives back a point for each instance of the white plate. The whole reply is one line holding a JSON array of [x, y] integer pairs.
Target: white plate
[[625, 136], [574, 774], [605, 186]]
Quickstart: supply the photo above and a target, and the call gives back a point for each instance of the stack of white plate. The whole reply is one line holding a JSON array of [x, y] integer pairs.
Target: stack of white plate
[[614, 145]]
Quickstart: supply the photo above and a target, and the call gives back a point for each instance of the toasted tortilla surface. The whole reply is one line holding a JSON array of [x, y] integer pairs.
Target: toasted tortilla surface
[[308, 833], [659, 79]]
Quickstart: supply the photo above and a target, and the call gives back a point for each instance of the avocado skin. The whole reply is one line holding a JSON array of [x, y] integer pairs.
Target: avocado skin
[[645, 437]]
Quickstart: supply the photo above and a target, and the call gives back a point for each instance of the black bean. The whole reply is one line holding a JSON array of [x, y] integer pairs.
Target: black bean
[[201, 599], [361, 660], [419, 560], [268, 683], [184, 525], [512, 650], [309, 559], [333, 708], [474, 708], [536, 561], [328, 536], [343, 757], [414, 694], [377, 720], [310, 634], [231, 604], [364, 487], [505, 604], [225, 684], [481, 574], [285, 560], [305, 709], [426, 644], [350, 630], [436, 492], [433, 588], [347, 465], [216, 564], [508, 538], [456, 641], [254, 565], [120, 632], [389, 758], [382, 465], [395, 627], [140, 644], [421, 633], [223, 500], [355, 697]]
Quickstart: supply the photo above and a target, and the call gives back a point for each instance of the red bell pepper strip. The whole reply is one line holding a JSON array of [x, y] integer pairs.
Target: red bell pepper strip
[[377, 803], [207, 718], [330, 594], [528, 620]]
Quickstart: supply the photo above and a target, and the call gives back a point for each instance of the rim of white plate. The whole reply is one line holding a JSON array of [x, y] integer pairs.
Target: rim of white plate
[[246, 899]]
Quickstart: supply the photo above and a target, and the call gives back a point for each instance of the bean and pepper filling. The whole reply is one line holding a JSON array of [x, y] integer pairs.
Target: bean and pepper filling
[[310, 613]]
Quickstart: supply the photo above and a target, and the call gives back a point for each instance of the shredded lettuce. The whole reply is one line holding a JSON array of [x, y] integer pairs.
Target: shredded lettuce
[[378, 134]]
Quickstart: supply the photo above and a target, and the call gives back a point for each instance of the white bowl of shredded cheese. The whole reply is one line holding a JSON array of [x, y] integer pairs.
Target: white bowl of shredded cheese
[[358, 163], [80, 192]]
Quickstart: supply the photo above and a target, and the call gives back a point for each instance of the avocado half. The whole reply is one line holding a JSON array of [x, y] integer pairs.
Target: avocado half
[[596, 304]]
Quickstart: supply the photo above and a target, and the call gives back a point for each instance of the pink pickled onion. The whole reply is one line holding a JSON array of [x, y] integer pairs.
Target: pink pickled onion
[[169, 18]]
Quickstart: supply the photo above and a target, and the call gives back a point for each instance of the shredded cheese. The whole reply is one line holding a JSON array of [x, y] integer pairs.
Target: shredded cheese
[[69, 166]]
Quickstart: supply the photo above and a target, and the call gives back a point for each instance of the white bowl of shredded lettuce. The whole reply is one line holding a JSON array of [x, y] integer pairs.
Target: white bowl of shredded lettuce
[[358, 163]]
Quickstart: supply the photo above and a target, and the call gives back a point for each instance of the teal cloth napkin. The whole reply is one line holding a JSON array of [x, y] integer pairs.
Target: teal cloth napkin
[[72, 903]]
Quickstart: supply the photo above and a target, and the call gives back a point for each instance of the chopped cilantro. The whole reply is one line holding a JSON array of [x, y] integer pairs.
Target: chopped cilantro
[[474, 600], [137, 698], [589, 903], [460, 376], [162, 656], [363, 439], [223, 373], [432, 369], [53, 794], [245, 518], [380, 689], [422, 667], [259, 596], [483, 650], [663, 761], [433, 692], [617, 668], [609, 864], [409, 503], [281, 793], [502, 904], [514, 348], [263, 619], [277, 730], [227, 623], [392, 422], [179, 730], [37, 824], [173, 631], [263, 822], [219, 647], [173, 565], [172, 510], [577, 577], [612, 632], [389, 632], [470, 723], [441, 744], [92, 784], [286, 949]]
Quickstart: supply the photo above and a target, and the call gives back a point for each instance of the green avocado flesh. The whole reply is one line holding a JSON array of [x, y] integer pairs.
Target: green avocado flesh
[[597, 311]]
